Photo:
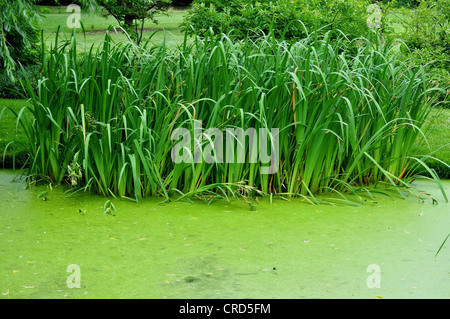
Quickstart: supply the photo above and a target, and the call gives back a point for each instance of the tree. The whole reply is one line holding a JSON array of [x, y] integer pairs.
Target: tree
[[131, 14], [181, 3], [19, 34], [19, 25]]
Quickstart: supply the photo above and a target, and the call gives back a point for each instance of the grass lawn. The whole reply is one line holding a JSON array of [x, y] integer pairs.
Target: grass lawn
[[54, 17], [440, 134], [8, 133], [439, 140]]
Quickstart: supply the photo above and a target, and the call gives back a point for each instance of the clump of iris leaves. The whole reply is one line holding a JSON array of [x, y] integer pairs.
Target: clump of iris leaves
[[348, 112]]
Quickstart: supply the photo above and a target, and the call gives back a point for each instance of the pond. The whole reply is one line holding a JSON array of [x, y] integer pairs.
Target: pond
[[283, 249]]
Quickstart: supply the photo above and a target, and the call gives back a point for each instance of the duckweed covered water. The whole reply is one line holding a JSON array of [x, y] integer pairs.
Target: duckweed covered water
[[180, 250]]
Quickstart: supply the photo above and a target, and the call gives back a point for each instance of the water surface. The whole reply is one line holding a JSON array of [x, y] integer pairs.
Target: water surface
[[224, 250]]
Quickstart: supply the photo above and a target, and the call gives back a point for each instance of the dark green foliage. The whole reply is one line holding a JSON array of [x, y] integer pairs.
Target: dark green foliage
[[288, 19], [131, 14], [10, 87], [19, 34], [410, 4], [57, 2], [426, 33], [181, 3], [441, 169], [407, 3], [175, 3]]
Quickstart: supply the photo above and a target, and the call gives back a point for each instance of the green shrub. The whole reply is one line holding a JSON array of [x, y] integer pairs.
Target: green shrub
[[181, 3], [19, 34], [406, 3], [426, 33], [289, 19], [10, 87], [224, 5], [427, 26]]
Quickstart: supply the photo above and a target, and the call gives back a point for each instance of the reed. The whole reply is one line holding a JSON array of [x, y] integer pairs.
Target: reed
[[103, 118]]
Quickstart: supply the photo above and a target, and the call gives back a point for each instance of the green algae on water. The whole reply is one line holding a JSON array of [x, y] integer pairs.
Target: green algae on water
[[283, 249]]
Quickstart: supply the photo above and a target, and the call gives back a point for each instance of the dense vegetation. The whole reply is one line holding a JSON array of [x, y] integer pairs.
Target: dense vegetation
[[287, 19], [422, 27], [19, 35], [104, 122], [102, 119], [425, 31]]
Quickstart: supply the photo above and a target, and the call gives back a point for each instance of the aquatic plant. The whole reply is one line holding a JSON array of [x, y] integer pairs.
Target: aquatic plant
[[347, 122], [442, 245]]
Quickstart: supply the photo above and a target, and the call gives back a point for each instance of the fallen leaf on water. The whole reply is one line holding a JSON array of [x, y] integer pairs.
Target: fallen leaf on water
[[378, 296]]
